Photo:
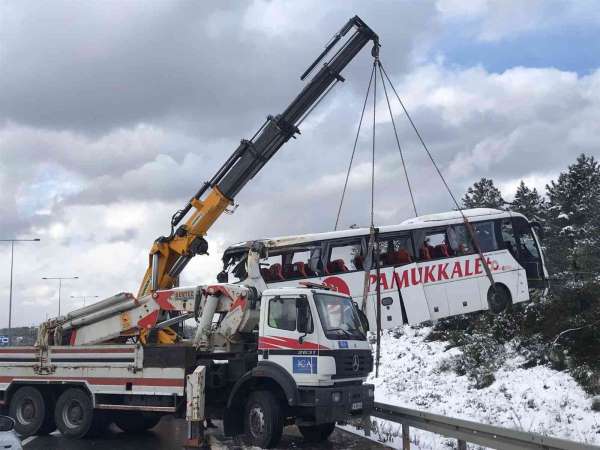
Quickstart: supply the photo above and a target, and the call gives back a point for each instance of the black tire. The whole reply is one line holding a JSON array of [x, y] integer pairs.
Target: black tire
[[28, 409], [136, 422], [317, 433], [263, 419], [74, 414], [499, 298]]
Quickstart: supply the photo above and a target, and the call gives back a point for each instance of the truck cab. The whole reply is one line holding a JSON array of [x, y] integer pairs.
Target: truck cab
[[313, 358]]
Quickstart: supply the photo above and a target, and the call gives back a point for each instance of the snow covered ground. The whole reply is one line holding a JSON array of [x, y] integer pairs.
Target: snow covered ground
[[413, 374]]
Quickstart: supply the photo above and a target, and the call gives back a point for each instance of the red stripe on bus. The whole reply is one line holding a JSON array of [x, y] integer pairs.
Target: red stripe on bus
[[176, 382]]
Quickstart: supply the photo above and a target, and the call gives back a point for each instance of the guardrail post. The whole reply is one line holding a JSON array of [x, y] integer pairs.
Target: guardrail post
[[366, 424], [462, 445], [405, 437]]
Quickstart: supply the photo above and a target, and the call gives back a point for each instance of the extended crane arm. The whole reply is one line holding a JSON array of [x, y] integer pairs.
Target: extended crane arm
[[170, 254]]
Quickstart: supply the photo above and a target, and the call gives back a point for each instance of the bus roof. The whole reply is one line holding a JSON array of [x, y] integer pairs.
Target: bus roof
[[429, 220]]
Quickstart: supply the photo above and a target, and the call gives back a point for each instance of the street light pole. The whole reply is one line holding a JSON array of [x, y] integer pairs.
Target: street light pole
[[60, 280], [10, 291], [12, 259]]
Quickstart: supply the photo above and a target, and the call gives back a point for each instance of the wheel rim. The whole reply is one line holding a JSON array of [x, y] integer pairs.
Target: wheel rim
[[257, 421], [26, 412], [72, 414]]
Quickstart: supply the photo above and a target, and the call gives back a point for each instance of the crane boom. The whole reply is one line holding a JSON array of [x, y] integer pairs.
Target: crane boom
[[170, 254]]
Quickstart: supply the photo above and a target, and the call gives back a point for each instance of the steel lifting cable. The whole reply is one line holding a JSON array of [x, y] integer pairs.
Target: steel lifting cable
[[387, 99], [337, 220], [468, 225]]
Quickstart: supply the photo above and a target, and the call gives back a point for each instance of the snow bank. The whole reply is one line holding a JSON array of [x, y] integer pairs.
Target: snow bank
[[413, 373]]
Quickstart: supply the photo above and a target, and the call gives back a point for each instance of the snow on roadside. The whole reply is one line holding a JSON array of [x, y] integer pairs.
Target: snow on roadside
[[537, 399]]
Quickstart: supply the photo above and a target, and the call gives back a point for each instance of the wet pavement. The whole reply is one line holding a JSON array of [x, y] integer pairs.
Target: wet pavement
[[169, 434]]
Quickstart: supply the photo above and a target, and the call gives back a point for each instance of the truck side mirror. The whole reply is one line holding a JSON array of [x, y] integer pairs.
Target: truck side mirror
[[304, 318], [362, 317]]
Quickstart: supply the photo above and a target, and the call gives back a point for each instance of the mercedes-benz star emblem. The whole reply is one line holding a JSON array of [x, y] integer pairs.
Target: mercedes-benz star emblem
[[355, 363]]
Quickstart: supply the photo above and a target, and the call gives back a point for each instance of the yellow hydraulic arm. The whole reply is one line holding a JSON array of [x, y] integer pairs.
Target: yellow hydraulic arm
[[170, 254]]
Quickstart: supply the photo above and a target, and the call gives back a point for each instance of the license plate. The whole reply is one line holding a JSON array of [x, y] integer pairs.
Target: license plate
[[357, 405]]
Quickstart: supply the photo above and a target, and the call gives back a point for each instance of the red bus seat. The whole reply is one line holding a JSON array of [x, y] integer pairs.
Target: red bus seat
[[277, 272], [336, 266], [300, 269], [266, 274], [424, 253], [399, 257], [441, 251]]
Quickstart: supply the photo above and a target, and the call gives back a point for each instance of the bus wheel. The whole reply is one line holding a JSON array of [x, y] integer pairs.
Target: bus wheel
[[317, 433], [136, 422], [74, 414], [498, 298], [28, 408], [263, 420]]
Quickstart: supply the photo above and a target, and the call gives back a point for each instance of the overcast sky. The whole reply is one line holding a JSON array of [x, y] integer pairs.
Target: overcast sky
[[113, 113]]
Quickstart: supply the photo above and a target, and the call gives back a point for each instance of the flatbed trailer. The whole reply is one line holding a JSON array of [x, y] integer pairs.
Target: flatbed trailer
[[311, 374]]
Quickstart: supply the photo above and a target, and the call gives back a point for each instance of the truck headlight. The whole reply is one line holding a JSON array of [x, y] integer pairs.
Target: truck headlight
[[371, 392], [336, 397]]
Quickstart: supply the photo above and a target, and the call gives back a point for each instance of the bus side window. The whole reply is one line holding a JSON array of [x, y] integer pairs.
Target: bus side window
[[271, 269], [433, 244], [486, 236], [459, 240], [528, 250], [395, 250], [345, 257], [298, 264], [508, 237]]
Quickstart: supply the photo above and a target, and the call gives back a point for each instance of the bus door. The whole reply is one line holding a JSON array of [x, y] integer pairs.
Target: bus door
[[411, 296], [527, 252], [402, 301]]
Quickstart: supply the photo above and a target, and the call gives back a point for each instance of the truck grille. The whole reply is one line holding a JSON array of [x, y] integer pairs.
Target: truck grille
[[353, 363]]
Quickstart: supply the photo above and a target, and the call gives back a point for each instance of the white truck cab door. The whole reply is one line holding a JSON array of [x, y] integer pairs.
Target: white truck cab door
[[279, 339]]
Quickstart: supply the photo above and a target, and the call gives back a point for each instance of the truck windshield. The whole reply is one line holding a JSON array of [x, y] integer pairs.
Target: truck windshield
[[339, 318]]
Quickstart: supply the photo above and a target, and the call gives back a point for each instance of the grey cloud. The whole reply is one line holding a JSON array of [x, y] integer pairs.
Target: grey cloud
[[71, 66]]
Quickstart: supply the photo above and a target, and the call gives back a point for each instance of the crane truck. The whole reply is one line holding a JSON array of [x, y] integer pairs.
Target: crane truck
[[260, 358]]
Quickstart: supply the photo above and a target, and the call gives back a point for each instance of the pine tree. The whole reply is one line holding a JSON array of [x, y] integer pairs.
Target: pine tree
[[574, 217], [483, 194], [529, 203]]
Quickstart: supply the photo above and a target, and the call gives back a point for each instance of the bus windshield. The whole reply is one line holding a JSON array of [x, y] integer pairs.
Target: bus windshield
[[339, 318]]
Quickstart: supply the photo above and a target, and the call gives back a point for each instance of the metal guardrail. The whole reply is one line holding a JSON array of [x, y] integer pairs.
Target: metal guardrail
[[466, 431]]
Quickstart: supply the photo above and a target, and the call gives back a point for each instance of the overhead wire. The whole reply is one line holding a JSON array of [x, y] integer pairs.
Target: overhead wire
[[387, 99], [362, 114], [373, 150]]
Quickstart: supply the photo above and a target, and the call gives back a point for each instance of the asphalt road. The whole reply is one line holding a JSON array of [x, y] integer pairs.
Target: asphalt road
[[169, 434]]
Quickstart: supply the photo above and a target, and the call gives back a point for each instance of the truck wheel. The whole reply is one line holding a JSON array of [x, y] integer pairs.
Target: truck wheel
[[136, 422], [28, 408], [74, 414], [317, 433], [498, 299], [263, 420]]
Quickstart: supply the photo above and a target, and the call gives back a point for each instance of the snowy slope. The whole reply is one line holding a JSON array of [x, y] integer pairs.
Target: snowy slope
[[412, 374]]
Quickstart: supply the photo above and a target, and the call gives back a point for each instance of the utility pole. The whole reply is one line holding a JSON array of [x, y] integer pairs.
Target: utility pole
[[10, 292], [60, 280]]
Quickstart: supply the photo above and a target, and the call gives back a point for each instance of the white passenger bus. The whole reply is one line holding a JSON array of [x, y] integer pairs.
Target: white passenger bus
[[429, 268]]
